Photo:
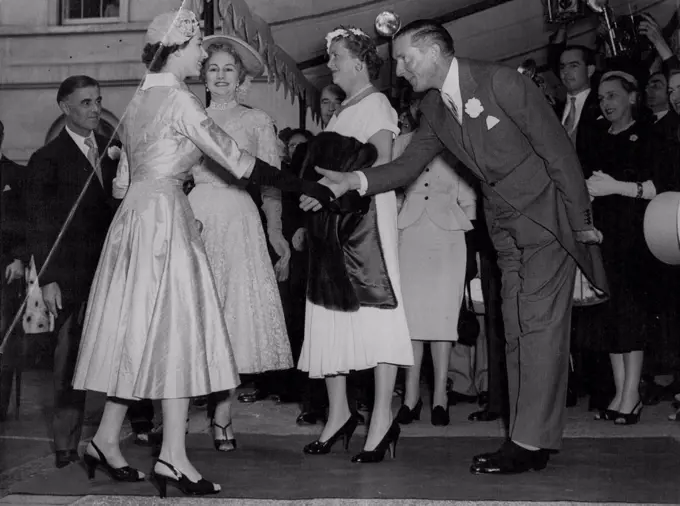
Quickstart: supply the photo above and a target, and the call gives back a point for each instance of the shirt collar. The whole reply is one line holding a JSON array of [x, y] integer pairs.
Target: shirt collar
[[659, 115], [451, 84], [159, 79], [581, 95], [77, 137]]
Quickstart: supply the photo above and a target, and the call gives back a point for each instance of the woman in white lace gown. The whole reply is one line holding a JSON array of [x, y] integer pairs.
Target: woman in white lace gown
[[232, 228]]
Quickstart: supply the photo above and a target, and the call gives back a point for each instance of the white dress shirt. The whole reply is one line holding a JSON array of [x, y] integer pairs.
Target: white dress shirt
[[80, 140], [658, 116], [451, 87], [581, 98]]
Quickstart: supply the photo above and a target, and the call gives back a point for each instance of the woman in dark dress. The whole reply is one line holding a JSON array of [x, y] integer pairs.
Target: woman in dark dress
[[623, 181]]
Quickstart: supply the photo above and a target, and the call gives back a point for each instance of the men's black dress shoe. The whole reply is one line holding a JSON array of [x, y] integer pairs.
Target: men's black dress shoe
[[252, 396], [440, 416], [510, 459], [483, 415], [311, 417], [484, 457], [456, 397], [65, 457]]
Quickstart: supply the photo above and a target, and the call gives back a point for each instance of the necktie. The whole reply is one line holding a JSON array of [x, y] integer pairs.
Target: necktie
[[93, 156], [570, 120], [448, 100]]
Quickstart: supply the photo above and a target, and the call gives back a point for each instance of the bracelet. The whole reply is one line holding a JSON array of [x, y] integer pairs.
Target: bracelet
[[639, 191]]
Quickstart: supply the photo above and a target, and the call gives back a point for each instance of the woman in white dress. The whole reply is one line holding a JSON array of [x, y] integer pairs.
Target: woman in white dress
[[232, 229], [336, 342]]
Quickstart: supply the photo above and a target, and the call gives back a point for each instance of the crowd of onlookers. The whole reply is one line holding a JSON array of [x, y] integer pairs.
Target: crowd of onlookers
[[622, 116]]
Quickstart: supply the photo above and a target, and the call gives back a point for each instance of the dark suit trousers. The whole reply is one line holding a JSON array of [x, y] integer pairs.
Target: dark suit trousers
[[10, 301], [537, 292], [69, 404], [493, 323]]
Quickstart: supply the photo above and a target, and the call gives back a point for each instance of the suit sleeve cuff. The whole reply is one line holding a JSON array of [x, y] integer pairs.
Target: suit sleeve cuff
[[363, 188]]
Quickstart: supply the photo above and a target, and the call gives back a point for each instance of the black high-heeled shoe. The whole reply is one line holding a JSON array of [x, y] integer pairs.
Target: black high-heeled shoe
[[406, 415], [319, 447], [630, 418], [224, 444], [440, 416], [607, 415], [125, 473], [388, 442], [184, 484]]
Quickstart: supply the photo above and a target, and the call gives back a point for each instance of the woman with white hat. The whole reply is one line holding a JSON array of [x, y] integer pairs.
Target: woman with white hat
[[232, 228], [154, 327]]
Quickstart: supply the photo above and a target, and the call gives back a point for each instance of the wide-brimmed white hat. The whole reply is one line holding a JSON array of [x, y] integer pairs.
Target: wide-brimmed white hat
[[253, 63]]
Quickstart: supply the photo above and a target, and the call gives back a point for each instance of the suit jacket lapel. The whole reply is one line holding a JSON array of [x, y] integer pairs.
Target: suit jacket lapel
[[76, 160], [107, 165], [450, 133], [468, 87]]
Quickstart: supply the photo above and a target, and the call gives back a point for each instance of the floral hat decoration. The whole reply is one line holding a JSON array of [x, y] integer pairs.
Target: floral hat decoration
[[173, 28], [351, 33]]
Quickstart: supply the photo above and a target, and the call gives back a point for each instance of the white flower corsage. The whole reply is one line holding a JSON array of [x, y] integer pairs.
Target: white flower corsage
[[474, 108], [633, 138], [113, 152], [344, 33]]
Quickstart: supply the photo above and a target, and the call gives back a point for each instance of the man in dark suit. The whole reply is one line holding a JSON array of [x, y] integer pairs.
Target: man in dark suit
[[56, 174], [580, 111], [537, 208], [12, 242]]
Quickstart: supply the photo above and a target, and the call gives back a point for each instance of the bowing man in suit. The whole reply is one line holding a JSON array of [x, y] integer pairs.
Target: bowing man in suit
[[56, 174], [537, 207]]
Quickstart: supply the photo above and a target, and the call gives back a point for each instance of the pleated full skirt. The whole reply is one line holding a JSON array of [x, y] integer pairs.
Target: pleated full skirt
[[338, 342], [246, 284], [153, 327], [432, 262]]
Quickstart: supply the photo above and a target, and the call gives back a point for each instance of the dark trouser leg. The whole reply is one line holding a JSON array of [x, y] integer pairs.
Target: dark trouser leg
[[537, 290], [493, 323], [141, 415], [8, 366], [10, 301], [69, 404], [360, 389]]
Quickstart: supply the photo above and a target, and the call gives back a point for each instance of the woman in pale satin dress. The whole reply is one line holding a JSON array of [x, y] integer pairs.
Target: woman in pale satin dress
[[154, 327], [232, 228]]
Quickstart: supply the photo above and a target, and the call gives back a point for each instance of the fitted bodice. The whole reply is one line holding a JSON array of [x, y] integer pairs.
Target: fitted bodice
[[254, 133], [166, 132]]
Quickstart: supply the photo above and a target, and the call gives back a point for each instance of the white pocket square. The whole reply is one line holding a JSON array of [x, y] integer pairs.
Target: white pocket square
[[6, 188], [491, 122]]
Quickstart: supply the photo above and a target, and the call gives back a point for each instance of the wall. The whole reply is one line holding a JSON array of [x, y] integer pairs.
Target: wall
[[36, 55]]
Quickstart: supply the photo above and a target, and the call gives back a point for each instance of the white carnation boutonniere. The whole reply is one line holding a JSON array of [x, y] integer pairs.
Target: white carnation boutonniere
[[473, 108], [113, 152], [633, 138]]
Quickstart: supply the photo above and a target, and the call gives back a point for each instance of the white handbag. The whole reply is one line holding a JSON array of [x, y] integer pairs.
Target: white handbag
[[36, 319]]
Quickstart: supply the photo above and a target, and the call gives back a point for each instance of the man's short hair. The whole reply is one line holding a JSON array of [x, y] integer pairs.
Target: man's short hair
[[73, 83], [428, 31], [587, 54]]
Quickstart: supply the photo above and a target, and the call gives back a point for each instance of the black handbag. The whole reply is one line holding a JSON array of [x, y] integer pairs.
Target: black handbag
[[468, 325]]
